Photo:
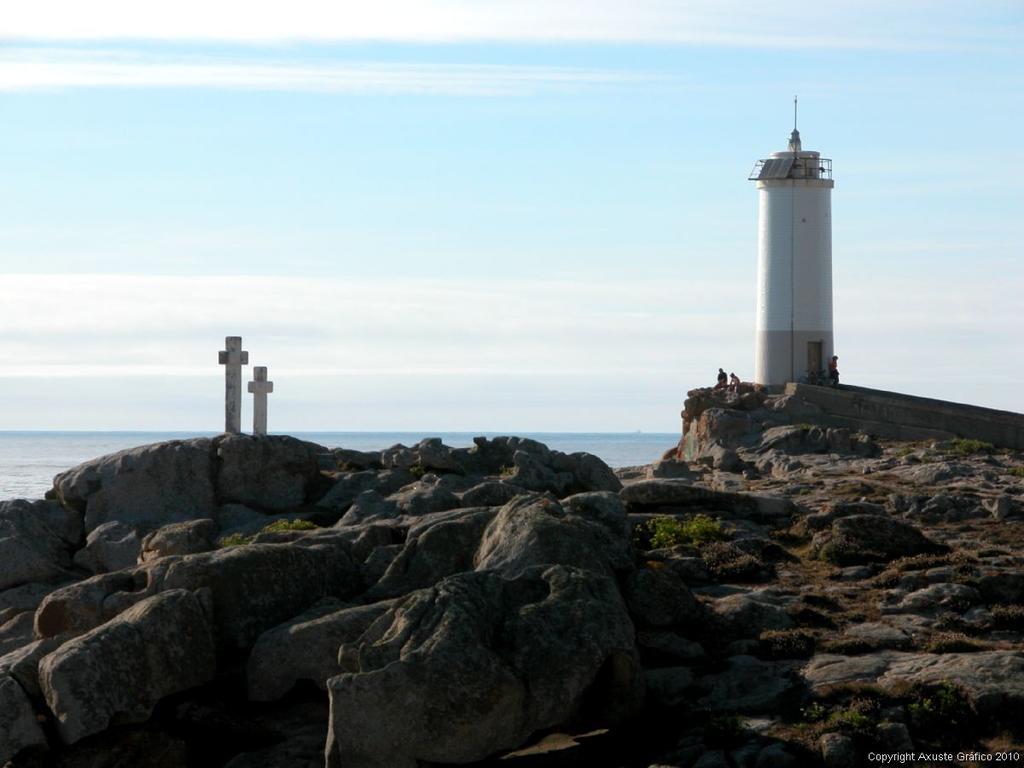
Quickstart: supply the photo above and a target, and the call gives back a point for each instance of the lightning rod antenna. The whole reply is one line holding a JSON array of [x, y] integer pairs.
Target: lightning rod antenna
[[794, 113]]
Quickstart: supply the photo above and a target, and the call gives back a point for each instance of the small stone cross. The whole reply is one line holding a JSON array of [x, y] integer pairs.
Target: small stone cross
[[233, 358], [260, 388]]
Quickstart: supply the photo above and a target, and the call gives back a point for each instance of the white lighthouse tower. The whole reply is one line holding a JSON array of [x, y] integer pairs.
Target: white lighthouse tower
[[794, 264]]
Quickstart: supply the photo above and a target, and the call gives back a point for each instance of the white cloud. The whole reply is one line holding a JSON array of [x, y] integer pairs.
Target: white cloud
[[825, 24], [139, 352], [53, 69], [87, 325]]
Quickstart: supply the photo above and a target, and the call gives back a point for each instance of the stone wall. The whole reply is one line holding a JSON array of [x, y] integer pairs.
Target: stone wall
[[899, 416]]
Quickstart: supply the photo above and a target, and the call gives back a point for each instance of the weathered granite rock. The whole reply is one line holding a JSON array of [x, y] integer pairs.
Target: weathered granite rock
[[23, 664], [726, 426], [253, 588], [348, 486], [16, 632], [748, 685], [18, 727], [936, 472], [367, 506], [679, 494], [492, 493], [993, 681], [945, 596], [604, 507], [479, 662], [109, 547], [878, 636], [266, 471], [186, 538], [838, 751], [588, 471], [154, 484], [36, 539], [536, 530], [866, 538], [668, 645], [122, 669], [433, 552], [433, 455], [258, 586], [422, 498], [746, 616], [138, 747], [306, 648], [27, 597], [668, 685], [79, 607], [659, 598], [532, 474], [350, 460]]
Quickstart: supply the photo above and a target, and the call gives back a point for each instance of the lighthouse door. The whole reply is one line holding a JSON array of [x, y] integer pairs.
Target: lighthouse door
[[814, 357]]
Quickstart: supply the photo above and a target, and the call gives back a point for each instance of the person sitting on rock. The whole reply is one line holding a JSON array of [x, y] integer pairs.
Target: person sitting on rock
[[833, 370], [734, 382], [723, 379]]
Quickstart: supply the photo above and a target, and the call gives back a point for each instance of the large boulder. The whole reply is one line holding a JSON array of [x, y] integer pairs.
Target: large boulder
[[588, 471], [669, 495], [306, 648], [153, 484], [423, 498], [119, 671], [253, 588], [749, 685], [18, 727], [479, 662], [273, 472], [347, 487], [491, 493], [109, 547], [537, 530], [186, 538], [433, 552], [27, 597], [16, 633], [870, 538], [36, 540], [659, 598], [534, 474], [993, 681]]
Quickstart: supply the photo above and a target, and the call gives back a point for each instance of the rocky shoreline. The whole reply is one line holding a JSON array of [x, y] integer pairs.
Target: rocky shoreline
[[775, 591]]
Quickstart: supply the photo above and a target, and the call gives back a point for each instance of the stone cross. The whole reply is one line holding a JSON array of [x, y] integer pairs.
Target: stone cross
[[233, 358], [260, 388]]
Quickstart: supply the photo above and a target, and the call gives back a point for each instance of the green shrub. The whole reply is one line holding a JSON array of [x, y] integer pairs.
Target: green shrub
[[852, 721], [814, 713], [278, 526], [964, 447], [288, 525], [234, 540], [1017, 471], [692, 531], [417, 471], [940, 710]]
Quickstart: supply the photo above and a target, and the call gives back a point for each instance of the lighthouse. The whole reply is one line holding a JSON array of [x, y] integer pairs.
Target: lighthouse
[[794, 264]]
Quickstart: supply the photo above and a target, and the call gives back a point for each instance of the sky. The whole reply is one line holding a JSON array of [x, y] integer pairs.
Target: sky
[[493, 215]]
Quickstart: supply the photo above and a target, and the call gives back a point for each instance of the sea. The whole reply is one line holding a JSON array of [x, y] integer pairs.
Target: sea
[[29, 460]]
